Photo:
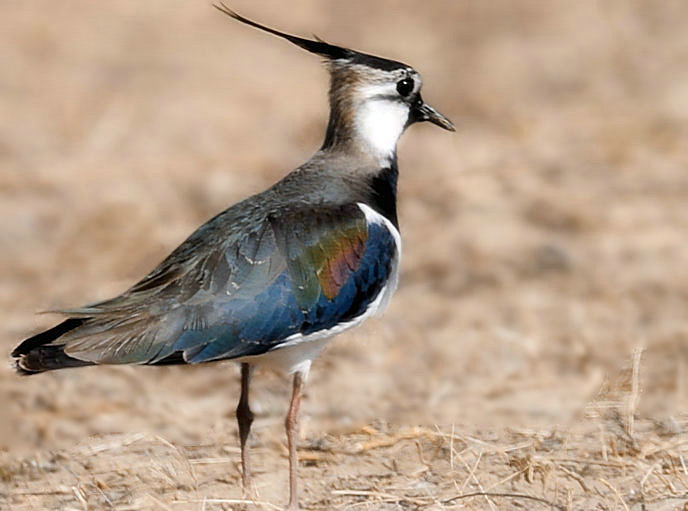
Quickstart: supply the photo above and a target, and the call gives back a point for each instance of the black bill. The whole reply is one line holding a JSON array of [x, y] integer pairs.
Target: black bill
[[421, 111]]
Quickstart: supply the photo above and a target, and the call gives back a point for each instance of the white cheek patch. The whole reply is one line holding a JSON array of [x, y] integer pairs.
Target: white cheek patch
[[379, 123], [369, 91]]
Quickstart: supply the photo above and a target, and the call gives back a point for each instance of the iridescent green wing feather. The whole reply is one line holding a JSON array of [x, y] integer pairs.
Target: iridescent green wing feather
[[322, 249]]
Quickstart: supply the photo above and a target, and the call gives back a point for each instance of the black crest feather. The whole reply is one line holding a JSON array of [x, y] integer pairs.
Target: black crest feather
[[318, 45]]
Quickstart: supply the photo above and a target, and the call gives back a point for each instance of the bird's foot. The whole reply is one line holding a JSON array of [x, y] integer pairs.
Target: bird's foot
[[250, 495]]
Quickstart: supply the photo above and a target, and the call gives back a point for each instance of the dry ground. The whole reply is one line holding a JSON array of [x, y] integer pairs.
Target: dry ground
[[535, 356]]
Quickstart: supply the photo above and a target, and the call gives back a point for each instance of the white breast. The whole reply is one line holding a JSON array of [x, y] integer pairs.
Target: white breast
[[297, 352]]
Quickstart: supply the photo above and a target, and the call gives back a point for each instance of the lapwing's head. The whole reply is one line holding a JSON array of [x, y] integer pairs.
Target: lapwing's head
[[372, 99]]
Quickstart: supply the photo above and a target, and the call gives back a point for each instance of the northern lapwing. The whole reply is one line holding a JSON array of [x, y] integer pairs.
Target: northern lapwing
[[272, 279]]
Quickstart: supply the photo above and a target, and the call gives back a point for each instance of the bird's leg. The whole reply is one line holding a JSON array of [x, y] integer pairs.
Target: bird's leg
[[245, 419], [291, 423]]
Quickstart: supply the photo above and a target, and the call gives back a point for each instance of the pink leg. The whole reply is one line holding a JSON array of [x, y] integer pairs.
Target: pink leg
[[291, 423]]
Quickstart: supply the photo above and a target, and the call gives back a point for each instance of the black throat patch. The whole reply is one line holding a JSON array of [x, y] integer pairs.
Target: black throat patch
[[383, 188]]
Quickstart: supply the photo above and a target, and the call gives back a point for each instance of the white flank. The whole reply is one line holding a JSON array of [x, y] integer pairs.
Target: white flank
[[380, 122], [297, 351]]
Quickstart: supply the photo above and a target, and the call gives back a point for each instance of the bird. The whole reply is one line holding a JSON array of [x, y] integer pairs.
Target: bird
[[273, 278]]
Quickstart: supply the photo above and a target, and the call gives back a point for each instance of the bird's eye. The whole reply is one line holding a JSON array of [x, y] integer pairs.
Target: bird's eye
[[405, 86]]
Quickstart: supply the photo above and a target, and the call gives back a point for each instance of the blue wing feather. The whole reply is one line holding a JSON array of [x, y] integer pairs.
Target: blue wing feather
[[263, 322]]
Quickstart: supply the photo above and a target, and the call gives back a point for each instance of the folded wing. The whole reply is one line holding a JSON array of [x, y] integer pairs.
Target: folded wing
[[296, 272]]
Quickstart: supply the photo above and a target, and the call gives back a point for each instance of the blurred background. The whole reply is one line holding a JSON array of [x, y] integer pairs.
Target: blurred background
[[545, 242]]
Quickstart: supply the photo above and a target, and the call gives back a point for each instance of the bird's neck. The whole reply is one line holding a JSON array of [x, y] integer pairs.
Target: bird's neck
[[369, 128], [372, 164]]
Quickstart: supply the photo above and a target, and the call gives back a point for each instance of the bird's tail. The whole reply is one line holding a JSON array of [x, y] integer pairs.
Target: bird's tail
[[40, 352]]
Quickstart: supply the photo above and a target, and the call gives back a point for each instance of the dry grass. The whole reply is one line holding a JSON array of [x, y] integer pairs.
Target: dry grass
[[412, 468], [535, 356]]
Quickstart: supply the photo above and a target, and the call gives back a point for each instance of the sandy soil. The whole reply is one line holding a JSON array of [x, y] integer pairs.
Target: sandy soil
[[535, 355]]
